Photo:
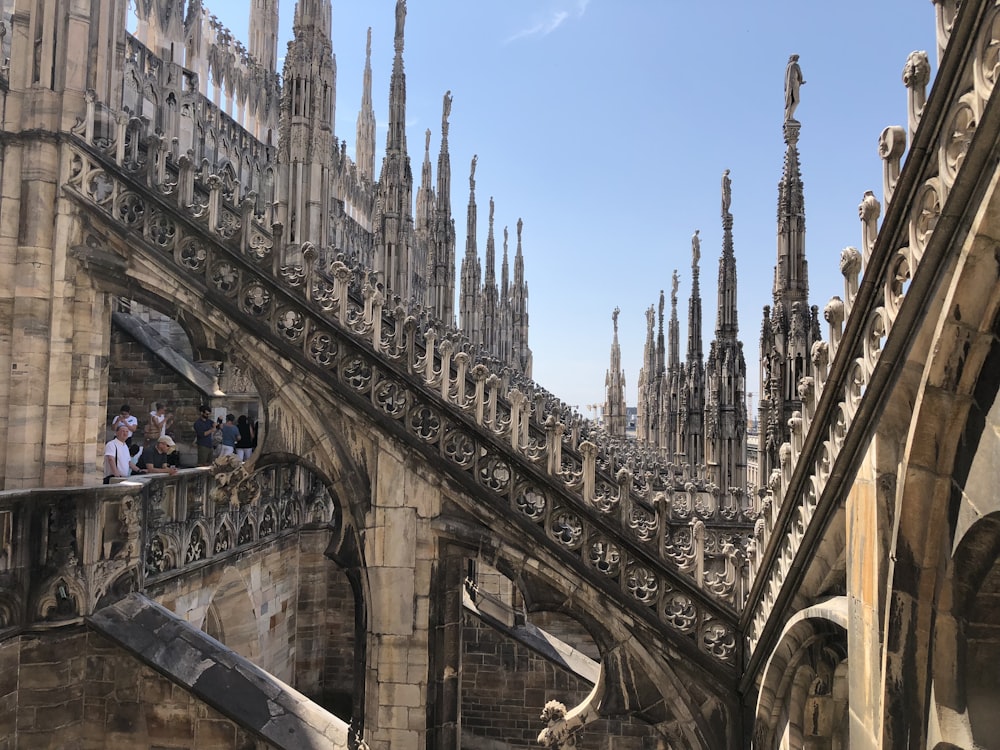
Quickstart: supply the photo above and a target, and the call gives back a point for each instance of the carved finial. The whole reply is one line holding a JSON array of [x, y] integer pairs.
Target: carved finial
[[793, 80]]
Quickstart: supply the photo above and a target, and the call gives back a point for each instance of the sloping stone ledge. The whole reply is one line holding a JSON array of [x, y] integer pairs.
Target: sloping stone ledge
[[248, 695]]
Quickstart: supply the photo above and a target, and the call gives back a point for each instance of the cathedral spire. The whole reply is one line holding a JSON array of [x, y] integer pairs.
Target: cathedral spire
[[694, 393], [694, 349], [727, 323], [725, 373], [471, 270], [614, 387], [426, 203], [441, 250], [305, 150], [646, 407], [791, 278], [264, 33], [519, 305], [673, 331], [490, 292], [791, 327], [396, 137], [364, 146], [398, 257]]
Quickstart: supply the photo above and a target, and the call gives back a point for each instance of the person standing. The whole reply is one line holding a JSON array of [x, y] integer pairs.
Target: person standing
[[159, 420], [230, 434], [204, 432], [244, 445], [126, 418], [117, 458]]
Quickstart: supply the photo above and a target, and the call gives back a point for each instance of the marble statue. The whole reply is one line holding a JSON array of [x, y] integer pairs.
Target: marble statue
[[793, 80]]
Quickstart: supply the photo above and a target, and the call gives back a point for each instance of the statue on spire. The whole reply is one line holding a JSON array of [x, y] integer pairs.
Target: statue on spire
[[673, 289], [472, 174], [400, 22], [614, 318], [793, 80], [727, 192], [695, 248]]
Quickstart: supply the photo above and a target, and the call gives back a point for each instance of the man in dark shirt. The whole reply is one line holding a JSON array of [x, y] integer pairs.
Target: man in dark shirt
[[204, 430], [162, 459]]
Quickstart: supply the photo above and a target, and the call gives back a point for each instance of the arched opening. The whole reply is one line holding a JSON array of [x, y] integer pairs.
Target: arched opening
[[213, 624], [231, 617], [803, 699]]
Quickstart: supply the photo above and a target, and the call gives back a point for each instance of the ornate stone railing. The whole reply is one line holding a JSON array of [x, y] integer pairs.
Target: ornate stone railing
[[871, 326], [212, 515], [652, 545], [64, 553]]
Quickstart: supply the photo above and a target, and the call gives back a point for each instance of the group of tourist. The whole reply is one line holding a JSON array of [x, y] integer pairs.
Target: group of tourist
[[124, 457], [234, 436]]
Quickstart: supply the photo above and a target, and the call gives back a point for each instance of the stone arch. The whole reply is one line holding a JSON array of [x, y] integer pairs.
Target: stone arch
[[948, 385], [803, 698], [686, 707], [966, 656], [232, 615]]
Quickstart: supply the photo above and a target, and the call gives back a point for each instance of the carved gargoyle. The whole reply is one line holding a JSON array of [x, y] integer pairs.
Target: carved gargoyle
[[234, 483], [558, 733]]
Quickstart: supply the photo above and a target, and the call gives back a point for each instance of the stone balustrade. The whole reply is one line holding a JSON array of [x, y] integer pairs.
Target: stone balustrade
[[674, 544], [66, 553]]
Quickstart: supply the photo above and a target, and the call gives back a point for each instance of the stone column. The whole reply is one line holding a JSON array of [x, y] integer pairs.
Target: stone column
[[445, 695]]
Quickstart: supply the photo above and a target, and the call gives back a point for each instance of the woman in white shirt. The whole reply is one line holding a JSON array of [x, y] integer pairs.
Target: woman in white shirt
[[159, 421]]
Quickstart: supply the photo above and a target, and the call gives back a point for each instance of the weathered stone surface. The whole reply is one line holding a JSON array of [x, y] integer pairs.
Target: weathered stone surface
[[233, 686]]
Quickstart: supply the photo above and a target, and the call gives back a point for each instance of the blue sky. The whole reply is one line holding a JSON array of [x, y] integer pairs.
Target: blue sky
[[606, 125]]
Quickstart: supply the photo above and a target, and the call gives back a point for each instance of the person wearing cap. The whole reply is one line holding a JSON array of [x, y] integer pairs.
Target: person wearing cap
[[162, 459]]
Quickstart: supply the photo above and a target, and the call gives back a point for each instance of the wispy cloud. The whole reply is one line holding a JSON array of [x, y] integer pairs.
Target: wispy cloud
[[546, 25]]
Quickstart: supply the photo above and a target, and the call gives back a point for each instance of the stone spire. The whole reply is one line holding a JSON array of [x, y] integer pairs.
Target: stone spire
[[646, 408], [490, 292], [506, 345], [425, 204], [305, 150], [364, 146], [397, 257], [725, 373], [614, 388], [519, 310], [791, 326], [441, 250], [469, 308], [263, 44], [694, 446], [673, 385]]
